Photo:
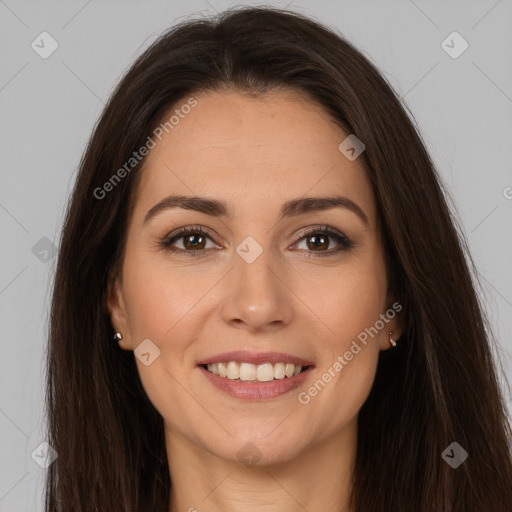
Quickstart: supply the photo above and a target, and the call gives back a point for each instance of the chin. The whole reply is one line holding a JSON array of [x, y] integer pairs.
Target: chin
[[252, 448]]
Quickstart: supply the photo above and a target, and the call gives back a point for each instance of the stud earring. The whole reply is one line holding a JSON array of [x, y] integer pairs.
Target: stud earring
[[118, 336], [391, 340]]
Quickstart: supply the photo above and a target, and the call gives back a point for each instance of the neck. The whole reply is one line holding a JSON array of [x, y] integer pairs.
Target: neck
[[318, 478]]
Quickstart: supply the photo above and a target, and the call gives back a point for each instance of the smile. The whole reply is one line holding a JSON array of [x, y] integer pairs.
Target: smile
[[255, 376], [244, 371]]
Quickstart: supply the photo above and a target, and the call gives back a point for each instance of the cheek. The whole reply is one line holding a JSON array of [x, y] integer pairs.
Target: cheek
[[348, 363], [350, 299], [350, 346], [157, 310], [155, 299], [339, 402], [162, 305]]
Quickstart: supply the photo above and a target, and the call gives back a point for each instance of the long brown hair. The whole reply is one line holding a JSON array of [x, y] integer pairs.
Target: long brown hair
[[438, 387]]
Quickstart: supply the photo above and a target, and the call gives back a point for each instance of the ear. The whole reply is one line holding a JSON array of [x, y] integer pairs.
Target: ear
[[395, 324], [117, 311]]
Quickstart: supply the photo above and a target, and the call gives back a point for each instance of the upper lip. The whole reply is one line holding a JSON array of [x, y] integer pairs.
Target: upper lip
[[246, 356]]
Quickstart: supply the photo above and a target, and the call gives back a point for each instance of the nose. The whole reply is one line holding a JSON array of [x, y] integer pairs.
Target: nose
[[256, 295]]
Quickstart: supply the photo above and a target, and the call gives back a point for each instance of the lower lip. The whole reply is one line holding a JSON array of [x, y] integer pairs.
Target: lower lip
[[248, 390]]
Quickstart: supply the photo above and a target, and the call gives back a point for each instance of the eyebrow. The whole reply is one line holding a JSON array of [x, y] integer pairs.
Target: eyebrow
[[291, 208]]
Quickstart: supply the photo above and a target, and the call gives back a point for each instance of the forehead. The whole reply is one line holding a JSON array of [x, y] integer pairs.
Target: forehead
[[251, 153]]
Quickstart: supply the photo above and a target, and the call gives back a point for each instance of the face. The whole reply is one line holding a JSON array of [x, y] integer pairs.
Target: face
[[266, 281]]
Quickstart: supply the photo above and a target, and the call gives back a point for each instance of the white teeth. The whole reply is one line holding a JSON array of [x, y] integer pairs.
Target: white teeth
[[247, 371], [279, 371], [265, 372], [223, 369], [250, 372], [233, 370], [214, 369]]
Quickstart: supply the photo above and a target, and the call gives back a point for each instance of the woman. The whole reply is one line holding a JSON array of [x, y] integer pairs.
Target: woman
[[262, 301]]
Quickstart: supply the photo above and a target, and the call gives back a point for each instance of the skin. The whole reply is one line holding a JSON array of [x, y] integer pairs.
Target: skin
[[254, 154]]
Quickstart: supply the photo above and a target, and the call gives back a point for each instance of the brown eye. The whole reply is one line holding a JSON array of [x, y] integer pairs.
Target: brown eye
[[193, 240], [319, 240]]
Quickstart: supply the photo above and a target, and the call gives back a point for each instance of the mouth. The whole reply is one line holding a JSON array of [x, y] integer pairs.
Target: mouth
[[249, 372], [253, 376]]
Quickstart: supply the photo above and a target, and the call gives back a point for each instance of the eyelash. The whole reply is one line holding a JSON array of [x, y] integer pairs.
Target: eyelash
[[342, 240]]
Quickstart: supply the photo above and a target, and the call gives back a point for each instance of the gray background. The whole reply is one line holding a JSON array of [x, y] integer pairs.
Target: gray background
[[49, 106]]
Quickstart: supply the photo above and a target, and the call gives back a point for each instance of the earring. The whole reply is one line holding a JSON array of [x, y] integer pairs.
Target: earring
[[117, 336], [391, 340]]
